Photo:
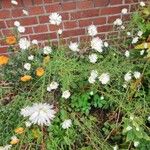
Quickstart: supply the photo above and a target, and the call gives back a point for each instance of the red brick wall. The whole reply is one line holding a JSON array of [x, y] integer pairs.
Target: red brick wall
[[76, 15]]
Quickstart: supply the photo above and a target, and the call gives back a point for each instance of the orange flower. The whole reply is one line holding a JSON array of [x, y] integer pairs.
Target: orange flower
[[14, 140], [19, 130], [3, 60], [11, 40], [26, 78], [39, 71]]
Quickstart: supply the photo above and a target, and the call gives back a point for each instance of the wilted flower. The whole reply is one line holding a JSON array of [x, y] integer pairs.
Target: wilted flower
[[40, 72], [26, 78], [127, 54], [3, 60], [19, 130], [97, 44], [27, 66], [135, 40], [124, 11], [137, 74], [66, 94], [104, 78], [21, 29], [53, 86], [17, 23], [74, 46], [67, 124], [55, 19], [127, 76], [14, 140], [92, 30], [142, 4], [24, 43], [39, 113], [93, 58], [118, 22], [11, 40], [47, 50]]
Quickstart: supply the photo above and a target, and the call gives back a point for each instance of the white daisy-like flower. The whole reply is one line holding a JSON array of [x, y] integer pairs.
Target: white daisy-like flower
[[102, 97], [27, 66], [53, 86], [93, 58], [28, 124], [14, 138], [148, 118], [66, 94], [106, 44], [97, 44], [35, 42], [74, 46], [31, 57], [124, 11], [127, 53], [128, 33], [92, 30], [17, 23], [14, 2], [142, 52], [137, 74], [91, 80], [136, 143], [128, 128], [55, 19], [142, 4], [122, 27], [91, 93], [24, 43], [21, 29], [59, 31], [67, 124], [135, 40], [115, 147], [25, 12], [140, 33], [6, 147], [104, 78], [128, 76], [94, 74], [47, 50], [39, 113], [118, 22]]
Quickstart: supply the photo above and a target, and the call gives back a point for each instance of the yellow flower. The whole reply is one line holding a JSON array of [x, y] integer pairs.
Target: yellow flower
[[26, 78], [39, 71], [11, 40], [14, 140], [19, 130], [3, 60]]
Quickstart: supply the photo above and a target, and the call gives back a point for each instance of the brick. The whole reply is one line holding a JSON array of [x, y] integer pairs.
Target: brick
[[68, 6], [36, 10], [70, 24], [50, 1], [115, 2], [4, 14], [6, 4], [65, 16], [3, 50], [53, 8], [40, 28], [99, 21], [105, 28], [54, 27], [28, 21], [17, 12], [131, 1], [84, 23], [85, 4], [44, 19], [85, 14], [70, 33], [7, 32], [2, 25], [28, 30], [37, 2], [100, 3]]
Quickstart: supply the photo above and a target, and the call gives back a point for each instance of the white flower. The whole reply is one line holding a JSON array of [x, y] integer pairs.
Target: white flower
[[94, 74], [24, 43], [14, 2], [148, 118], [102, 97], [59, 31], [93, 58], [91, 80], [137, 74], [137, 129], [55, 19], [122, 27], [118, 22], [145, 45], [39, 113], [21, 29], [67, 124], [17, 23], [53, 86], [31, 57], [124, 11], [142, 52], [136, 143], [142, 4], [128, 128], [140, 33], [97, 44], [28, 124], [127, 54], [91, 93], [115, 147], [47, 50], [127, 77], [135, 40], [128, 33], [66, 94], [27, 66], [104, 78], [105, 44], [25, 12], [6, 147], [92, 30], [35, 42], [74, 46], [14, 138]]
